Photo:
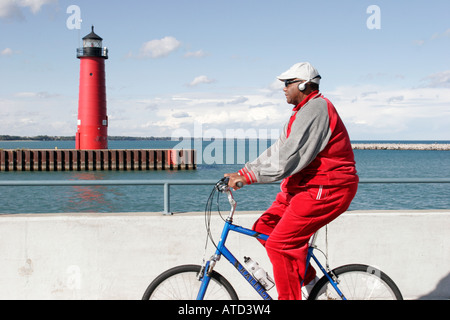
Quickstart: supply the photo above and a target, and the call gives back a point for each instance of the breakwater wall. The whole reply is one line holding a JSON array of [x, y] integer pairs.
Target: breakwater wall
[[115, 256], [95, 160], [401, 146]]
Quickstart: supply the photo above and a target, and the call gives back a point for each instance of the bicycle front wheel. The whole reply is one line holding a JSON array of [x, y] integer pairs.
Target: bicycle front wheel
[[357, 282], [182, 283]]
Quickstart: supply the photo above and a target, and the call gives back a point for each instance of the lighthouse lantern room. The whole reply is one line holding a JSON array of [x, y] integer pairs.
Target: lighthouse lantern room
[[92, 126]]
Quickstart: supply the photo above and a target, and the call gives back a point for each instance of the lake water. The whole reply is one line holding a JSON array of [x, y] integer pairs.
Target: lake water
[[215, 162]]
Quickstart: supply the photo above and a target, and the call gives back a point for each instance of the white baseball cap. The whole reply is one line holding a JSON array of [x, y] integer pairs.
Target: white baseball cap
[[302, 71]]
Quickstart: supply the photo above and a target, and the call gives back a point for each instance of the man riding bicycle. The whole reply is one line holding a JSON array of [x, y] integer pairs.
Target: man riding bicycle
[[314, 157]]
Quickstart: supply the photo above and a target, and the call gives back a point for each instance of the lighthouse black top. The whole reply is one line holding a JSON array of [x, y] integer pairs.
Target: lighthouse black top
[[92, 46], [93, 35]]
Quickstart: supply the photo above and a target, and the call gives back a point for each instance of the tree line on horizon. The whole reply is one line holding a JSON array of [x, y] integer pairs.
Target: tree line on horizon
[[71, 138]]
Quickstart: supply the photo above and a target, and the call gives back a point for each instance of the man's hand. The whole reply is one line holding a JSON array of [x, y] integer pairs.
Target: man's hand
[[234, 179]]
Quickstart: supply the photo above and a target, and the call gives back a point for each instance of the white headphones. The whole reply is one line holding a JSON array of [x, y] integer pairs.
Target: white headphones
[[302, 86]]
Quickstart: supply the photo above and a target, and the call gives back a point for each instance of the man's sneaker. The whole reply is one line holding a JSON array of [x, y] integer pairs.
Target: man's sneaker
[[306, 290]]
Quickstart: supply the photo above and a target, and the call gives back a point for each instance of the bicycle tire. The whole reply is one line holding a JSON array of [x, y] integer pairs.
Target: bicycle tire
[[357, 282], [181, 283]]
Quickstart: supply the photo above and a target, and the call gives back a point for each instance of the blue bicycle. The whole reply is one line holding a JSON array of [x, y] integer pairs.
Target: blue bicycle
[[190, 282]]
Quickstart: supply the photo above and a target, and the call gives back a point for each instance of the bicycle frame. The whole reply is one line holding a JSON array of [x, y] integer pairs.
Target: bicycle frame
[[222, 250]]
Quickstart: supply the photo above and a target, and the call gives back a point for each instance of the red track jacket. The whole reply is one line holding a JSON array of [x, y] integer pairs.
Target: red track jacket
[[314, 149]]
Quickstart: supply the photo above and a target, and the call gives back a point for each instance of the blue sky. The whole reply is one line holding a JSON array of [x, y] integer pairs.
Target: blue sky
[[176, 66]]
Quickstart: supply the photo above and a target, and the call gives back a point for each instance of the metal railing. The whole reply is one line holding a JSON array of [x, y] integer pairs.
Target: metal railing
[[167, 183], [92, 52]]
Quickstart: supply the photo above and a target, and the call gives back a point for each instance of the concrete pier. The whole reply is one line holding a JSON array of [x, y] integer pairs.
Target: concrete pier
[[401, 146], [116, 256], [96, 160]]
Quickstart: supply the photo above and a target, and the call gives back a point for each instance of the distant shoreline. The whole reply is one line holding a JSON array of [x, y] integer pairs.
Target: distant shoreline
[[72, 138]]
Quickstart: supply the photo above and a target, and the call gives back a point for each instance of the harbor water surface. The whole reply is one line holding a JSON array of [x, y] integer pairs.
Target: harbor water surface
[[214, 161]]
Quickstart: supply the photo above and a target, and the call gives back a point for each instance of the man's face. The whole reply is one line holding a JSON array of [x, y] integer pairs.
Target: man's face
[[293, 94]]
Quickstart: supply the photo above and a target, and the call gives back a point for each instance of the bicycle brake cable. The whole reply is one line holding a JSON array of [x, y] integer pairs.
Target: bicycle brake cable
[[208, 218], [218, 207], [208, 213]]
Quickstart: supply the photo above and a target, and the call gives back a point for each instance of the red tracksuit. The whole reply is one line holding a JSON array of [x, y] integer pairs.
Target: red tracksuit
[[315, 159]]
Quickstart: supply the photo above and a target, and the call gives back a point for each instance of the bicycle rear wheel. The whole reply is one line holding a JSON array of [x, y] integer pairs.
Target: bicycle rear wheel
[[357, 282], [182, 283]]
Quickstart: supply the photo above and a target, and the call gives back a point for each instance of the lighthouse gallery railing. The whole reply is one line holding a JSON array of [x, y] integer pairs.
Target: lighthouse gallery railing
[[95, 52]]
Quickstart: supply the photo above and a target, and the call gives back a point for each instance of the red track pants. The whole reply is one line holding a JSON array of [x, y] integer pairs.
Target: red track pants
[[290, 222]]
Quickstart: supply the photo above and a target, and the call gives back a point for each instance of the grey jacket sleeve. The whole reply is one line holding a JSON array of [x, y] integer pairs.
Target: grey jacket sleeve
[[309, 135]]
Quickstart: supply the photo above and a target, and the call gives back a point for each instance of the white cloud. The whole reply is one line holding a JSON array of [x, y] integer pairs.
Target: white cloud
[[436, 36], [38, 113], [394, 99], [238, 100], [12, 9], [439, 80], [41, 95], [371, 112], [159, 48], [35, 5], [199, 80], [6, 52], [9, 9], [439, 35], [419, 43], [195, 54], [181, 114]]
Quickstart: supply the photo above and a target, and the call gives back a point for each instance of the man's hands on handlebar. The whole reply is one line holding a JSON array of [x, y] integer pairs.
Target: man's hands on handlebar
[[236, 181]]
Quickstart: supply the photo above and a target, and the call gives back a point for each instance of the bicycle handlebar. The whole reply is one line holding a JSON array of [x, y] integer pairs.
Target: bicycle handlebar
[[222, 187], [223, 183]]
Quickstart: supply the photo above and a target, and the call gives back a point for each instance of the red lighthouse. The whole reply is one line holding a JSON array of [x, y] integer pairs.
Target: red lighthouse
[[92, 128]]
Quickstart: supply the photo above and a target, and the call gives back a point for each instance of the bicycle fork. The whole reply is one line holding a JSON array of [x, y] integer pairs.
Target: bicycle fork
[[207, 268], [204, 277]]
